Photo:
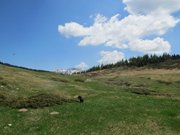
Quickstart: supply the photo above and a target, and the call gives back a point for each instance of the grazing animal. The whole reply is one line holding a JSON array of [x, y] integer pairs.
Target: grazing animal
[[81, 100]]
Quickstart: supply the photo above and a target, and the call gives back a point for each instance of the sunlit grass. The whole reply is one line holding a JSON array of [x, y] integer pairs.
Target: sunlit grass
[[110, 107]]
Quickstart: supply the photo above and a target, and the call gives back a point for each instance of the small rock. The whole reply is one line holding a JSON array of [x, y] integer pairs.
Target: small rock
[[9, 125], [88, 80], [54, 113], [76, 96], [2, 86], [17, 88], [23, 110]]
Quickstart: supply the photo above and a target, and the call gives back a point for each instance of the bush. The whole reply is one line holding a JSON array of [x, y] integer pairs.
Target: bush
[[2, 98], [164, 82], [79, 80], [59, 79], [37, 101]]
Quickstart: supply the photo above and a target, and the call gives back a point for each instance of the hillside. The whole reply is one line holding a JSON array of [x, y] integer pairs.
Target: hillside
[[116, 101], [169, 64], [165, 61]]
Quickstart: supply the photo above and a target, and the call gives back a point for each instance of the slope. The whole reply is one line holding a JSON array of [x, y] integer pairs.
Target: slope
[[131, 101]]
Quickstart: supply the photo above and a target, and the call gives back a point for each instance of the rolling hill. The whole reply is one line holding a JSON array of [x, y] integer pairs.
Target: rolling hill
[[116, 101]]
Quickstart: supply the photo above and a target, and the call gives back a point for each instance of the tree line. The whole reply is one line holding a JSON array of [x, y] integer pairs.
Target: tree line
[[139, 61]]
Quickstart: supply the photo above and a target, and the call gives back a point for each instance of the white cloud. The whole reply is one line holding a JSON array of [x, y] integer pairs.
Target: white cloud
[[110, 57], [151, 6], [117, 33], [82, 66], [73, 29], [146, 18], [157, 46]]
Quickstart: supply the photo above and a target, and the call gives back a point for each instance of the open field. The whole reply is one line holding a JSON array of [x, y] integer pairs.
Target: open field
[[117, 102]]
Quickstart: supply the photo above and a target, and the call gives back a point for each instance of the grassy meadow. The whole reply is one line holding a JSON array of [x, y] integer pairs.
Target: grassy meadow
[[116, 102]]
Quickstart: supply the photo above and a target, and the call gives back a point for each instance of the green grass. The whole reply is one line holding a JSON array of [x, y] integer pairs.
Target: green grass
[[111, 106]]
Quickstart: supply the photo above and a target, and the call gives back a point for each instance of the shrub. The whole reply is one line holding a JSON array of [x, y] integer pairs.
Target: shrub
[[37, 101], [59, 79], [164, 82], [79, 80]]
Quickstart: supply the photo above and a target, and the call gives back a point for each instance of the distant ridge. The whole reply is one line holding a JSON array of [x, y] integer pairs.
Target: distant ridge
[[166, 61], [11, 65]]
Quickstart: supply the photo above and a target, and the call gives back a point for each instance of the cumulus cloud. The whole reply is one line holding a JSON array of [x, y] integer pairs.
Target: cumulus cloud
[[82, 66], [151, 6], [73, 29], [117, 33], [110, 57], [146, 18], [157, 46]]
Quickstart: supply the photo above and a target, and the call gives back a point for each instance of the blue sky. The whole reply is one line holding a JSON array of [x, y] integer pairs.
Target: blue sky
[[29, 34]]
